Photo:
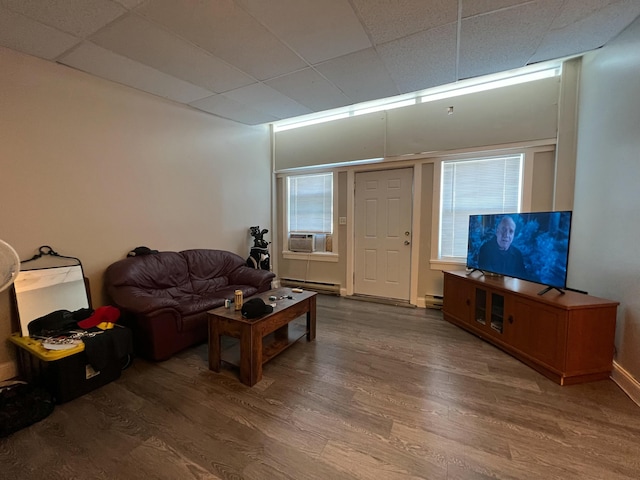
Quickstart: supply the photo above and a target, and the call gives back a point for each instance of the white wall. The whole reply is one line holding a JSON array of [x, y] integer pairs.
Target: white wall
[[95, 169], [604, 245]]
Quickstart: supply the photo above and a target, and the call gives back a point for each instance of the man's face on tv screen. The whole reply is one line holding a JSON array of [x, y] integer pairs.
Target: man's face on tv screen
[[505, 233]]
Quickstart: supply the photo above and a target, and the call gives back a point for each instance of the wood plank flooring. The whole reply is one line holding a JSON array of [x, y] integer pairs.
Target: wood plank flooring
[[383, 392]]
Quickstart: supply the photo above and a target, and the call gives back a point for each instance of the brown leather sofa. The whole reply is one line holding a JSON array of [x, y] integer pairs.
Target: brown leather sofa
[[164, 296]]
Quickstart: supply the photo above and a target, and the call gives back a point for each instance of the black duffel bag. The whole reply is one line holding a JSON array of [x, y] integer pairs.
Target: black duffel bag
[[21, 405]]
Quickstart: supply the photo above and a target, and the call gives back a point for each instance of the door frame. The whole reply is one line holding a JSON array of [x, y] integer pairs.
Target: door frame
[[415, 226]]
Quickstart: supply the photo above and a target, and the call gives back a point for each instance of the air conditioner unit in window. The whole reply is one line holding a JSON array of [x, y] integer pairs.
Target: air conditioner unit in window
[[302, 242]]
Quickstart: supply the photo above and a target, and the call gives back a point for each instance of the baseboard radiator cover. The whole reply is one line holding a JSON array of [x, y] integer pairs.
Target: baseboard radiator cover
[[433, 301], [328, 288]]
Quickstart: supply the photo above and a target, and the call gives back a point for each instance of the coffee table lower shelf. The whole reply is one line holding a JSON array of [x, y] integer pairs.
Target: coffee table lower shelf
[[271, 346]]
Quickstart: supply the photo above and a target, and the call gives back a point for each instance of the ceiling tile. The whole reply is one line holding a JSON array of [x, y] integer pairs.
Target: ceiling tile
[[573, 11], [422, 60], [28, 36], [386, 20], [232, 110], [96, 60], [505, 39], [130, 4], [309, 88], [78, 17], [264, 98], [228, 32], [583, 26], [146, 42], [477, 7], [305, 25], [362, 76]]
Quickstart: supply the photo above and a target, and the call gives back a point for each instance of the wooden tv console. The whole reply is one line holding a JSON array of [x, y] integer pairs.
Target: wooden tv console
[[567, 337]]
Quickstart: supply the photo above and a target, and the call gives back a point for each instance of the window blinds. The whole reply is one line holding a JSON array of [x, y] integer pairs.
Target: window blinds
[[311, 203], [476, 186]]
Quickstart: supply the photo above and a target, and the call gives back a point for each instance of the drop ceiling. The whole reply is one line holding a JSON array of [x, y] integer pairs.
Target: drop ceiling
[[260, 61]]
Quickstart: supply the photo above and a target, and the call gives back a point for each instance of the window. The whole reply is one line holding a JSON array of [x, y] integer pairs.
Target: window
[[474, 186], [310, 207]]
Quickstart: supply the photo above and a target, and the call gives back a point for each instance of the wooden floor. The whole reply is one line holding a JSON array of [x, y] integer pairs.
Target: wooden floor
[[383, 392]]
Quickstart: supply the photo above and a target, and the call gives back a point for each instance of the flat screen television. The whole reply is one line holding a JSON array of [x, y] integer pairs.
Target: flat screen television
[[529, 246]]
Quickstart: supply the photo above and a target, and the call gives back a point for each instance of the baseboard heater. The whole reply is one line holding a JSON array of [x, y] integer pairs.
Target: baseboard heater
[[433, 301], [329, 288]]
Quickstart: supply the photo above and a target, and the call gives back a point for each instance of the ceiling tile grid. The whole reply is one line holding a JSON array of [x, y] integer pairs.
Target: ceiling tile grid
[[585, 25], [148, 43], [268, 100], [483, 45], [310, 89], [389, 20], [26, 35], [479, 7], [111, 66], [361, 76], [257, 61], [233, 110], [306, 25], [422, 60], [224, 29], [77, 17]]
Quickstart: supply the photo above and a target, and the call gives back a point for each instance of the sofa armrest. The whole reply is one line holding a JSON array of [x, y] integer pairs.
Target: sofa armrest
[[250, 276], [137, 301]]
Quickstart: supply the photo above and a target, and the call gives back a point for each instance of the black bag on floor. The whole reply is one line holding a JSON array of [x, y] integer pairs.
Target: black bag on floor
[[21, 405]]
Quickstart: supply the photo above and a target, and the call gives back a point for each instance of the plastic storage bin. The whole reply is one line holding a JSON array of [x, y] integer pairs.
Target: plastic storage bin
[[67, 374]]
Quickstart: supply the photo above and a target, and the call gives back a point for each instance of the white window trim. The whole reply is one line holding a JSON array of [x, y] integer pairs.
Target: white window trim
[[310, 256], [332, 257]]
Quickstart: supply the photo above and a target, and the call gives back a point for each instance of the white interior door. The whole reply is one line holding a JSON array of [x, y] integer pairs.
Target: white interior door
[[382, 243]]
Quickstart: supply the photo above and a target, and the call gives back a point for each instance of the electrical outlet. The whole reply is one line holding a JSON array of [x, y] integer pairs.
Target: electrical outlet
[[342, 220]]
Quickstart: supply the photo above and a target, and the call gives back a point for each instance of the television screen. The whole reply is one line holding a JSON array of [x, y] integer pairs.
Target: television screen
[[530, 246]]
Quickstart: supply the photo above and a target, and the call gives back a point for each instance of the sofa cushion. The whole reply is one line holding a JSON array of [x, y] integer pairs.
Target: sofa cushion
[[164, 271], [190, 304], [209, 270]]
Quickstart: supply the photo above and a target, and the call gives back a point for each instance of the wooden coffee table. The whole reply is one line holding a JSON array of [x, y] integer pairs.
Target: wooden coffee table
[[261, 338]]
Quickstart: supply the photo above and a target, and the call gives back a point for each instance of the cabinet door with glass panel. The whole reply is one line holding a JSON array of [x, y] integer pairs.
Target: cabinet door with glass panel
[[489, 311]]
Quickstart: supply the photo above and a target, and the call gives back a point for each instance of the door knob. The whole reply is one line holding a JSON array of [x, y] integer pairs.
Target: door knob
[[406, 242]]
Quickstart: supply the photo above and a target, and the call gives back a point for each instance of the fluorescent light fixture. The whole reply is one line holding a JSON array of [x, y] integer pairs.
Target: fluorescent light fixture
[[278, 127], [490, 85], [463, 87], [385, 106]]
